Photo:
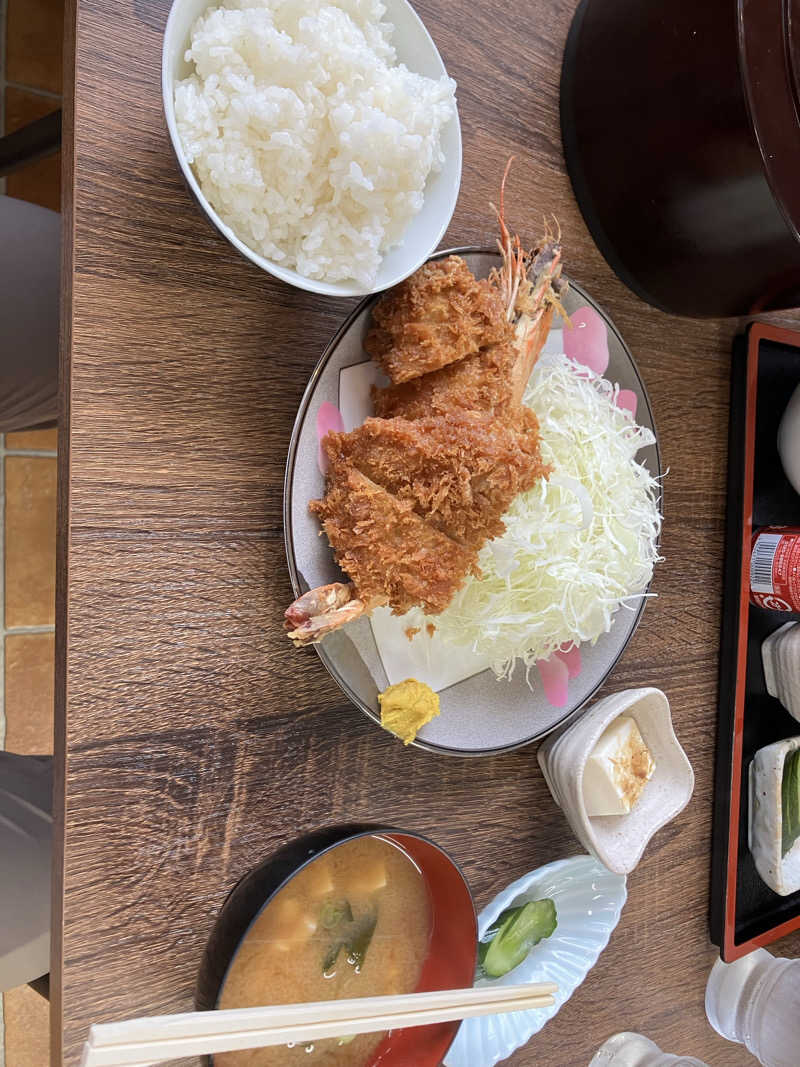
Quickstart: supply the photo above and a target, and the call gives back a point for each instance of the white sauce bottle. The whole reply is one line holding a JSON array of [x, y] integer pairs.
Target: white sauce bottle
[[755, 1001]]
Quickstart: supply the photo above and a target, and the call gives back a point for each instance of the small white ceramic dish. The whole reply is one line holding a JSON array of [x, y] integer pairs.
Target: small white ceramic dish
[[416, 49], [765, 827], [618, 841], [780, 654], [588, 901]]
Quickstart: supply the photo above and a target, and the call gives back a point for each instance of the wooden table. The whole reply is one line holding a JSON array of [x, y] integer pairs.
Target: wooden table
[[191, 737]]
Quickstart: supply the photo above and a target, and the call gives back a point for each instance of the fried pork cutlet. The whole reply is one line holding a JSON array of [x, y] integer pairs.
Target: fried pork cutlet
[[480, 382], [492, 380], [459, 472], [437, 316], [392, 555], [414, 494]]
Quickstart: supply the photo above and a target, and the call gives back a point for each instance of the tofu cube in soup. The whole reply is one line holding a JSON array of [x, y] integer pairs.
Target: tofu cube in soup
[[320, 880], [295, 924], [369, 879]]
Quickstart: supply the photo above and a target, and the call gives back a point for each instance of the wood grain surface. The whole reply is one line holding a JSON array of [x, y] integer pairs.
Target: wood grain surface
[[192, 738]]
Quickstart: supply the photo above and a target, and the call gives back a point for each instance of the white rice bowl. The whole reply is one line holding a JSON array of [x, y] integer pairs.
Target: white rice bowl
[[307, 137]]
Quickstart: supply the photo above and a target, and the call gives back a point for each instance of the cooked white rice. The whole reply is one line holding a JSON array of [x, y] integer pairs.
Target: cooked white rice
[[308, 138]]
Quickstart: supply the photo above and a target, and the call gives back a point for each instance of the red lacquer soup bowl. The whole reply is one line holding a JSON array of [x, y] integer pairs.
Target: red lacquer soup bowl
[[447, 963]]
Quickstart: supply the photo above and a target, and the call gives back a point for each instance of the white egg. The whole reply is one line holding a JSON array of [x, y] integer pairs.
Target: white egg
[[789, 440]]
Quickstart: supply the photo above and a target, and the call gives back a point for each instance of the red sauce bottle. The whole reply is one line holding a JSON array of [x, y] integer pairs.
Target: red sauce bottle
[[775, 568]]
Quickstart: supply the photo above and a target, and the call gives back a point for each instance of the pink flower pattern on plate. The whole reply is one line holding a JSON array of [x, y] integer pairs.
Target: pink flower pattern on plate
[[628, 400], [586, 341], [555, 672], [328, 418]]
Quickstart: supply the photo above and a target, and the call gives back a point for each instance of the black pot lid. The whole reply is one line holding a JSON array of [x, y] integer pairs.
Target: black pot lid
[[769, 48], [792, 31]]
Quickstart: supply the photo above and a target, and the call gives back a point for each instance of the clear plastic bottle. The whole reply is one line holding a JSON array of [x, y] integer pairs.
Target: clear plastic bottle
[[634, 1050], [755, 1001]]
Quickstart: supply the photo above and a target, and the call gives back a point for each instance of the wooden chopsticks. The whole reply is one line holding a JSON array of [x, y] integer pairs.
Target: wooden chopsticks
[[141, 1042]]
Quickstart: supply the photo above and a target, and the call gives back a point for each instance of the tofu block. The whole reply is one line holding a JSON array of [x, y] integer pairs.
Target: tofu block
[[369, 878], [319, 879], [617, 770], [291, 923]]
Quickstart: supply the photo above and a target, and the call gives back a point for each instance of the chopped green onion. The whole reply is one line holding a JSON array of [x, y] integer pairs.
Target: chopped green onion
[[331, 956], [354, 935], [335, 912], [360, 939]]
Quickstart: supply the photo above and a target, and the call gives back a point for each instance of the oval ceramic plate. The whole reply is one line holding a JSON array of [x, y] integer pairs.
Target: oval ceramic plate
[[479, 714], [589, 900]]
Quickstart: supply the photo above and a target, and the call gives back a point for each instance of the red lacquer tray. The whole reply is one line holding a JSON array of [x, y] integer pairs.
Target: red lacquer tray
[[746, 913]]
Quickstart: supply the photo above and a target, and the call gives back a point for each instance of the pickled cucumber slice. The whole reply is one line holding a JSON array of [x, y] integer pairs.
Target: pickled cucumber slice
[[790, 800], [514, 934]]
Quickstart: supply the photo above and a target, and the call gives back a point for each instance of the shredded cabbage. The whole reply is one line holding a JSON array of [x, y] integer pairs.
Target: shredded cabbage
[[577, 546]]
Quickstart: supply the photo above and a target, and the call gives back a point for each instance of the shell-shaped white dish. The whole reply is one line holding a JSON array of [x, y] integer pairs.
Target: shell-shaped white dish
[[780, 654], [765, 827], [619, 841], [588, 899], [414, 47]]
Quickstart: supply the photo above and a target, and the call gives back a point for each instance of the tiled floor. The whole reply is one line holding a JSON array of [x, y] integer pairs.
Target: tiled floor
[[31, 34], [28, 481]]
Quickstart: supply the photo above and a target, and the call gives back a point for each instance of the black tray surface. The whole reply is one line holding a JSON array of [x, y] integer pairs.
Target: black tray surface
[[758, 909]]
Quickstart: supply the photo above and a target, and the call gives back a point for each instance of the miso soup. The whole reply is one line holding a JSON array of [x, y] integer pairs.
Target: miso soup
[[356, 922]]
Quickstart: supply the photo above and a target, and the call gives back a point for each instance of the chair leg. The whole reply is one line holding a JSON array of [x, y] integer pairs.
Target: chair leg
[[34, 141]]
